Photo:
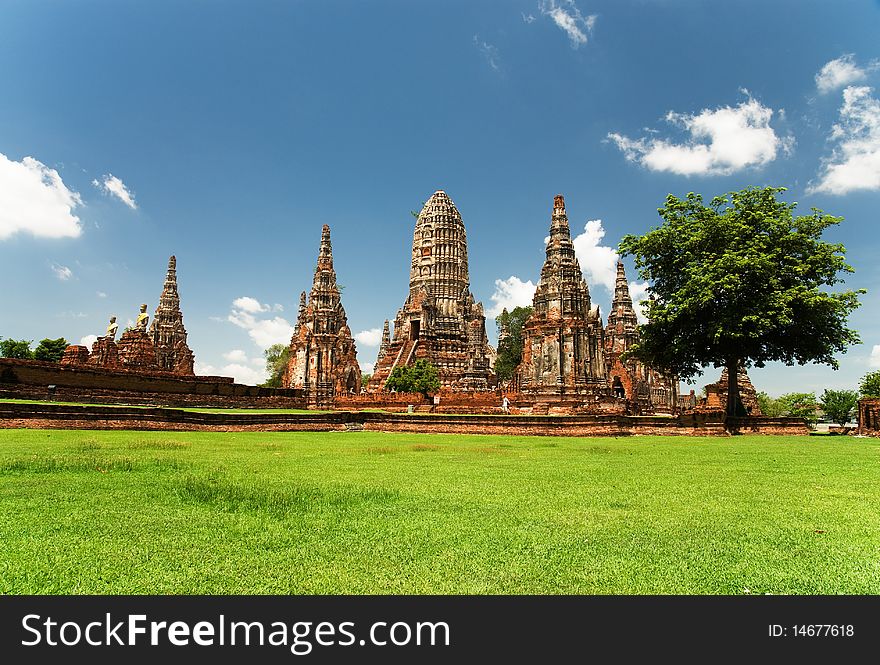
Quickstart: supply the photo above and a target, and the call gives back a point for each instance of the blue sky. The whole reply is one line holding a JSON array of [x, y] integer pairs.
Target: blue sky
[[227, 133]]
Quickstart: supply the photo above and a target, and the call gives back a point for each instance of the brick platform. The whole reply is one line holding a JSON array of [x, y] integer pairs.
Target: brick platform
[[53, 416]]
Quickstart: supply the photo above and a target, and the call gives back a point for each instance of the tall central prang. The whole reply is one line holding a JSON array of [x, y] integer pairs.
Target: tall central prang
[[440, 321]]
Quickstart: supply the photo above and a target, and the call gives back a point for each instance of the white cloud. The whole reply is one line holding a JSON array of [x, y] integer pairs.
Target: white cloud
[[88, 340], [251, 305], [568, 18], [509, 293], [841, 72], [235, 356], [264, 332], [101, 294], [638, 291], [366, 368], [241, 373], [62, 272], [371, 337], [34, 199], [855, 160], [112, 185], [722, 141], [489, 52], [598, 262], [874, 359]]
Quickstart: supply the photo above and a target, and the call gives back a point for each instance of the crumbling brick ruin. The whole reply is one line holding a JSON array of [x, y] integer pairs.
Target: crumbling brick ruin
[[563, 345], [167, 331], [716, 394], [323, 357], [648, 389], [869, 416], [162, 349], [440, 320]]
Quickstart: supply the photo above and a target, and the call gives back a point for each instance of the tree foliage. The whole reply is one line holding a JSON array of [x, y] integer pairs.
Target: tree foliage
[[799, 405], [420, 377], [510, 348], [870, 384], [277, 357], [741, 281], [839, 405], [770, 406], [51, 350], [16, 348]]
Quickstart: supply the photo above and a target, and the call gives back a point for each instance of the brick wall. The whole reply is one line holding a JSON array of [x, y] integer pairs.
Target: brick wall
[[14, 415], [30, 379]]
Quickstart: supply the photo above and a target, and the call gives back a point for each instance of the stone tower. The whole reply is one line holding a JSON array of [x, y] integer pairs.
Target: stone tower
[[631, 379], [323, 357], [563, 346], [167, 331], [385, 345], [440, 321]]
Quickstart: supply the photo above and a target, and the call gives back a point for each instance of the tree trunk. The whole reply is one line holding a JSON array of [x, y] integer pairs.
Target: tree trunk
[[732, 389]]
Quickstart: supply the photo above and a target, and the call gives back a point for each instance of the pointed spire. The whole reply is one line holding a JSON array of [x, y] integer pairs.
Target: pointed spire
[[167, 330], [504, 328], [386, 342], [302, 307], [325, 254], [622, 296]]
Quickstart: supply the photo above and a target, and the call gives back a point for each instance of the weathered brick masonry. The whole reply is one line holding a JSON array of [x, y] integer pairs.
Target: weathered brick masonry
[[30, 379], [52, 416]]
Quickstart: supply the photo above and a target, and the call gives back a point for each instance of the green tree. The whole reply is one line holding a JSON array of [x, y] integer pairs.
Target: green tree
[[51, 350], [420, 377], [14, 348], [870, 384], [799, 405], [741, 281], [365, 379], [769, 406], [839, 405], [510, 341], [276, 357]]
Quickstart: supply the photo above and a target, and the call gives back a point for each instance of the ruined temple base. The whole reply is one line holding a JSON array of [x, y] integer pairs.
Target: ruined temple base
[[52, 416]]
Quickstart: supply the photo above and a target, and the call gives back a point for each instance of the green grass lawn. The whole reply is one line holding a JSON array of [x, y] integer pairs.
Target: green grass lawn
[[362, 512]]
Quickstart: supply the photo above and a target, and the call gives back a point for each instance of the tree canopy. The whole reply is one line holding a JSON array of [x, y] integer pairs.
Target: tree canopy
[[277, 357], [870, 384], [420, 377], [16, 348], [741, 281], [510, 347], [51, 350], [839, 405], [799, 405]]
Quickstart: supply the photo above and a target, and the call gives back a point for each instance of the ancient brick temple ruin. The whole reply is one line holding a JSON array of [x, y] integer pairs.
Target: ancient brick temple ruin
[[161, 349], [440, 321], [563, 345], [323, 357], [869, 416], [649, 390], [716, 393], [167, 332]]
